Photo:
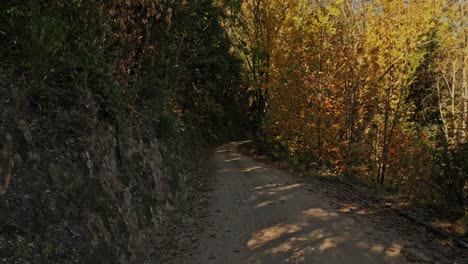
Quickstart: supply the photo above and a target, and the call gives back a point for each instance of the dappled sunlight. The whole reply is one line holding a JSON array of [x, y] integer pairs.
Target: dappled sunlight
[[330, 242], [319, 213], [276, 188], [269, 234], [374, 248], [318, 233], [347, 209], [230, 160], [271, 185], [238, 143], [278, 218], [287, 187], [287, 237], [316, 240], [271, 194], [377, 248], [253, 168], [393, 250], [264, 204], [299, 254], [363, 212], [291, 245]]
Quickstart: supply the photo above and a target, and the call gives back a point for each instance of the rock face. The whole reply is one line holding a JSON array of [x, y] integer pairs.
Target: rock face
[[77, 188]]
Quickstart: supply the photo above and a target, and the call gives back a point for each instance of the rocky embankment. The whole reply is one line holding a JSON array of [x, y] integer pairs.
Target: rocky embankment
[[76, 186]]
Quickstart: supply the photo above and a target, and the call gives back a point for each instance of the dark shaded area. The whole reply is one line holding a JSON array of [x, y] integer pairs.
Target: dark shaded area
[[101, 106]]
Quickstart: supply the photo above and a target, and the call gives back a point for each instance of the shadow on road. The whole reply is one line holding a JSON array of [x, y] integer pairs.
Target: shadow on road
[[264, 216]]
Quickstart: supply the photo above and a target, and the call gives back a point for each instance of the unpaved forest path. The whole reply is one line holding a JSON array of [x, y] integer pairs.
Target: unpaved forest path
[[259, 214]]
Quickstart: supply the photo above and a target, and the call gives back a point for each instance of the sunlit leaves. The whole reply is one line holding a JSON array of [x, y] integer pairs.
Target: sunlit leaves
[[338, 82], [452, 67]]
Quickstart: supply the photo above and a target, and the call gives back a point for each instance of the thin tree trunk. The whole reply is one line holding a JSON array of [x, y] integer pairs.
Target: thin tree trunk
[[441, 112], [385, 143], [465, 101], [319, 121], [385, 131], [452, 94], [464, 73]]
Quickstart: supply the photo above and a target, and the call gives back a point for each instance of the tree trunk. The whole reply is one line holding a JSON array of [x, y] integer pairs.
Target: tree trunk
[[385, 145], [441, 112], [452, 94], [385, 131], [465, 100]]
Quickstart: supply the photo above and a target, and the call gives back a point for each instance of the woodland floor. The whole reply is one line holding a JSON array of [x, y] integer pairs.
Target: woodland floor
[[248, 211]]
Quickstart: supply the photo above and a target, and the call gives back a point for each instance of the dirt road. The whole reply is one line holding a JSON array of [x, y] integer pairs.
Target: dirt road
[[259, 214]]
